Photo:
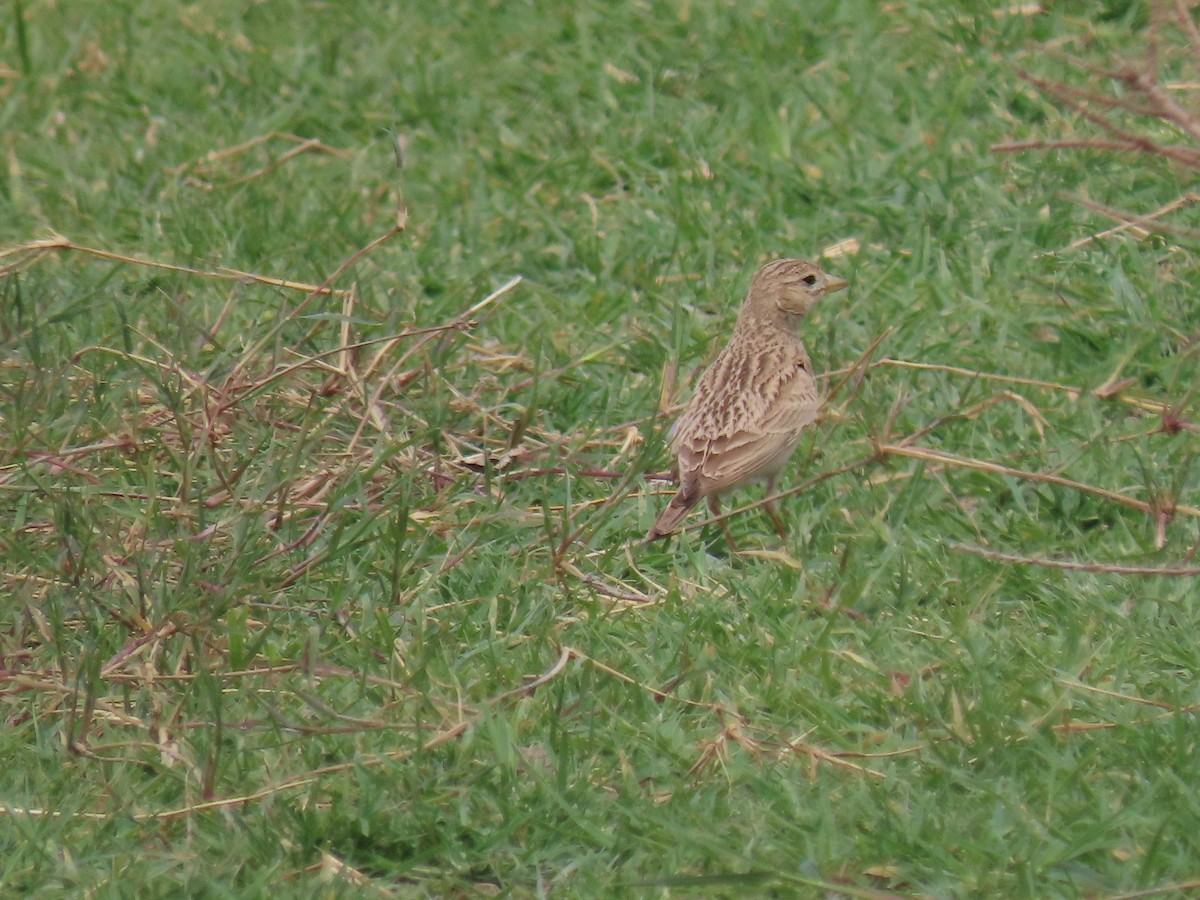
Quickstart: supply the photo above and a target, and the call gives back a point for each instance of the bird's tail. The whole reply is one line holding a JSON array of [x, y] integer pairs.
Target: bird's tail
[[668, 520]]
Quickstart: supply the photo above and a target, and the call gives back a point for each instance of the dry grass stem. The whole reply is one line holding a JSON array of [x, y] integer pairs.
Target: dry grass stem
[[941, 457], [1076, 565], [33, 252], [1130, 102], [212, 161]]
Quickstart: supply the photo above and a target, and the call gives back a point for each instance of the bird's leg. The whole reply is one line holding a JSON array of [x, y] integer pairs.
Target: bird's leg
[[714, 507], [773, 513]]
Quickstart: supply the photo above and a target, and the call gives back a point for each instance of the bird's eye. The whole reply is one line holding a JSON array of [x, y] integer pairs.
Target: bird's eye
[[810, 280]]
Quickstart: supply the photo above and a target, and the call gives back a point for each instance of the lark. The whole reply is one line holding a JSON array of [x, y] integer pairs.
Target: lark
[[751, 406]]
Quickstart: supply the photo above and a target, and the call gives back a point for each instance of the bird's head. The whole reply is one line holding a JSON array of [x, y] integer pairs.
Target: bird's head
[[785, 290]]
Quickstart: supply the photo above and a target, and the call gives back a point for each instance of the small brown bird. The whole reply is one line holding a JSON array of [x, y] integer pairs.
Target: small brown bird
[[750, 407]]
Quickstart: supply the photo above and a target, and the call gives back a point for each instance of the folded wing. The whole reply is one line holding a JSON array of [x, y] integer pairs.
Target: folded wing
[[746, 421]]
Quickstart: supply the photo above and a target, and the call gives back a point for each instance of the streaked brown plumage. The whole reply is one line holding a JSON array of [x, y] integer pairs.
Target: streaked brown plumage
[[752, 404]]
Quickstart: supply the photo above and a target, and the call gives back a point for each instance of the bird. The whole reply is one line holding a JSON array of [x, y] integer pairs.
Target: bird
[[751, 405]]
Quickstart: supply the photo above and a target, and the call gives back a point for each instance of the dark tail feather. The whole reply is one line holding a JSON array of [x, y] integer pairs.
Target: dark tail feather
[[668, 520]]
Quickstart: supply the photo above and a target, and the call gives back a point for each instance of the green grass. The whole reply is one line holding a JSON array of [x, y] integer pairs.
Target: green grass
[[271, 612]]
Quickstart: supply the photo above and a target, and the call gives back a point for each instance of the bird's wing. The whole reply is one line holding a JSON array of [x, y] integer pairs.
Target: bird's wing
[[745, 420]]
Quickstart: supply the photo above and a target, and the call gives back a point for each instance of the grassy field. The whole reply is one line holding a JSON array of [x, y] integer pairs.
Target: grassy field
[[338, 343]]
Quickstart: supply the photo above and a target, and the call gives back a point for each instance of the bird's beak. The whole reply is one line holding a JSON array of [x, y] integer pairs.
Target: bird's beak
[[833, 285]]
